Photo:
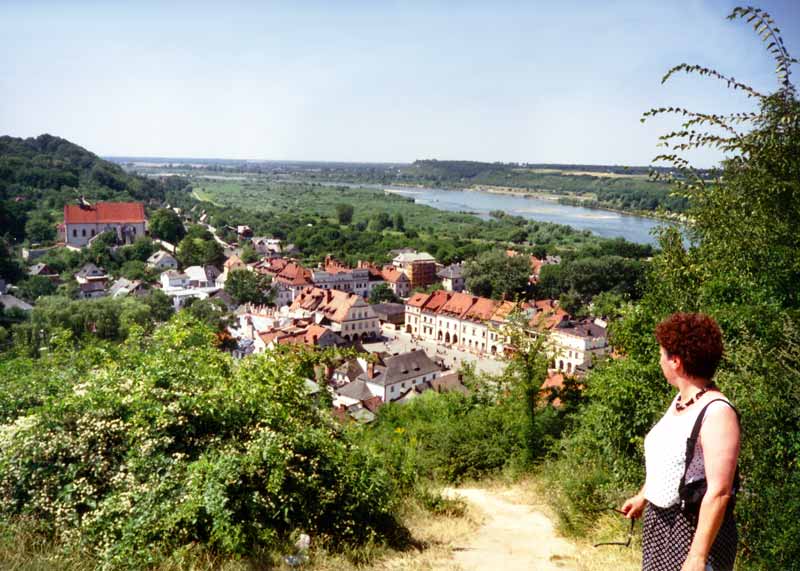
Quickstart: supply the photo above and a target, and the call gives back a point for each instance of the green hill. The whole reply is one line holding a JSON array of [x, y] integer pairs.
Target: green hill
[[39, 175]]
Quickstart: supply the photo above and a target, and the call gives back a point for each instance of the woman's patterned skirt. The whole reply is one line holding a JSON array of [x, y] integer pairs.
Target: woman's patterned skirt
[[667, 536]]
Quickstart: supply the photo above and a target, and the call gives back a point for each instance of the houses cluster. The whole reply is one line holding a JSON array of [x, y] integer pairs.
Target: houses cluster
[[477, 325]]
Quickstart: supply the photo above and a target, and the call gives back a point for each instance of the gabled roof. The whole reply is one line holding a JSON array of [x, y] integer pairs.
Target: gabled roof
[[482, 310], [357, 390], [234, 262], [104, 212], [458, 305], [453, 271], [417, 299], [202, 273], [503, 310], [401, 367], [393, 275], [89, 270], [436, 300], [333, 304], [160, 255], [41, 269]]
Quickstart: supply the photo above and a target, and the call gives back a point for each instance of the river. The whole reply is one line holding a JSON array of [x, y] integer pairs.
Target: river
[[601, 222]]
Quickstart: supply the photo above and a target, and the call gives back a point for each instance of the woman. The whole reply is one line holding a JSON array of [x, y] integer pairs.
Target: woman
[[691, 349]]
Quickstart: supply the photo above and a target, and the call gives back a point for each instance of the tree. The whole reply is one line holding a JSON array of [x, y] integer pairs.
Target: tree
[[249, 254], [10, 269], [160, 304], [40, 228], [166, 225], [743, 268], [586, 277], [199, 252], [34, 287], [382, 293], [245, 286], [399, 223], [344, 213], [135, 270], [495, 274], [380, 222]]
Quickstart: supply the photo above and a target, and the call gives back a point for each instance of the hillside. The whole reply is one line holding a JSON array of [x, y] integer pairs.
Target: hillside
[[39, 175]]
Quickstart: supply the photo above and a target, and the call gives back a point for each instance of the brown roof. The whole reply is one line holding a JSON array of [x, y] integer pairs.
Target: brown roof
[[104, 212], [458, 305], [503, 311], [418, 299], [436, 300], [234, 262], [334, 304], [482, 310], [294, 274], [392, 274]]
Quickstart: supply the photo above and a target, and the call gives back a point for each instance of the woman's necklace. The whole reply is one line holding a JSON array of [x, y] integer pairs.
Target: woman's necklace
[[679, 407]]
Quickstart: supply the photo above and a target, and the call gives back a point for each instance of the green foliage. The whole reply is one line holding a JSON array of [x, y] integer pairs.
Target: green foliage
[[34, 287], [40, 228], [344, 213], [495, 274], [195, 251], [10, 267], [382, 293], [245, 286], [743, 268], [165, 224], [170, 444], [587, 277]]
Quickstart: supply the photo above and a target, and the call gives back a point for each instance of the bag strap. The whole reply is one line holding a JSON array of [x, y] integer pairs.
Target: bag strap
[[691, 442]]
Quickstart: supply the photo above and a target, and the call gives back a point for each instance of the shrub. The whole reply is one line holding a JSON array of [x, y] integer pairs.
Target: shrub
[[172, 444]]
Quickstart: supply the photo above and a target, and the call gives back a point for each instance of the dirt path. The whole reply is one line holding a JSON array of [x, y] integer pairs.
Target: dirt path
[[513, 536]]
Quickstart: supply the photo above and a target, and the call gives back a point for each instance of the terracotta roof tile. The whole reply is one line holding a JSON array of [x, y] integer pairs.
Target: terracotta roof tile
[[458, 305], [104, 212]]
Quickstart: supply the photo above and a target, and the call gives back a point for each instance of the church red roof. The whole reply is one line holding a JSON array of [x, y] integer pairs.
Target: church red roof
[[104, 212]]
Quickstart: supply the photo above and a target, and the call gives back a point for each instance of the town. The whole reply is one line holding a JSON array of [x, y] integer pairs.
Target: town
[[412, 322]]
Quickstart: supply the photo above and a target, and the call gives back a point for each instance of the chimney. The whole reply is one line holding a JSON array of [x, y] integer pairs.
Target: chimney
[[371, 370]]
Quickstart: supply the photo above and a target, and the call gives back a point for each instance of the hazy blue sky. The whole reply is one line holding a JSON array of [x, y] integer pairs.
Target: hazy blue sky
[[371, 81]]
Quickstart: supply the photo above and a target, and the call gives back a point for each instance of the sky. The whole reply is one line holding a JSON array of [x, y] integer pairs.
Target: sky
[[374, 81]]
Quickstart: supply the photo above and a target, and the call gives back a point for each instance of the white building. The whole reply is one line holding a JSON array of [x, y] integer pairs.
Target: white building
[[84, 221]]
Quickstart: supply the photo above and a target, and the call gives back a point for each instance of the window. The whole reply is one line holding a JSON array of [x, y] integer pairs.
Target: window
[[74, 233], [92, 231], [83, 232]]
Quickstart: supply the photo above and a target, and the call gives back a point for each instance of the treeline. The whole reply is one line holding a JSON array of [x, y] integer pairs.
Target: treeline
[[38, 176]]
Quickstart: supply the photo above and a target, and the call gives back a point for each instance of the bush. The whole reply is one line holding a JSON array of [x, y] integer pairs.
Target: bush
[[171, 444]]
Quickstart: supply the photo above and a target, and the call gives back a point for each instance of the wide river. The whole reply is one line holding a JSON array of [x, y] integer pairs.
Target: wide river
[[601, 222]]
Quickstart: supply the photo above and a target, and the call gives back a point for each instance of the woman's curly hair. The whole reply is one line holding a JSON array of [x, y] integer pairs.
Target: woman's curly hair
[[695, 338]]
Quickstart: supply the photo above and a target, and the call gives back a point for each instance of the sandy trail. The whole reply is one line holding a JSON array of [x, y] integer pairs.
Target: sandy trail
[[513, 536]]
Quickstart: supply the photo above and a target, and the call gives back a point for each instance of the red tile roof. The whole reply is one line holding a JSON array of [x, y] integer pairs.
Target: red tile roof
[[104, 212], [458, 305], [436, 300], [418, 299], [392, 274], [334, 304], [482, 310]]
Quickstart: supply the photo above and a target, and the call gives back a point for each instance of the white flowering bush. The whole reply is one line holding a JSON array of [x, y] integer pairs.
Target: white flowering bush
[[171, 444]]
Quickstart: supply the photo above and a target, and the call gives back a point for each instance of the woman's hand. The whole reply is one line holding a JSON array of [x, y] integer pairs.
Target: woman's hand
[[633, 507], [694, 563]]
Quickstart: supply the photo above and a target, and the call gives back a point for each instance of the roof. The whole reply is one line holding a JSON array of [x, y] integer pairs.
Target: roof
[[393, 275], [482, 310], [418, 299], [104, 212], [503, 310], [334, 304], [458, 304], [202, 273], [41, 269], [89, 270], [158, 256], [234, 262], [582, 329], [453, 271], [414, 257], [388, 309], [401, 367], [8, 301], [437, 299], [357, 390]]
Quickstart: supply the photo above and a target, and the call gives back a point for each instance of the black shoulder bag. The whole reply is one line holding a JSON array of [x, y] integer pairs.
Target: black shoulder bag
[[691, 494]]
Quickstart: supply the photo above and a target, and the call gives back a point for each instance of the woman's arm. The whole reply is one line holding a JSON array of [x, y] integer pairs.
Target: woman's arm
[[719, 437]]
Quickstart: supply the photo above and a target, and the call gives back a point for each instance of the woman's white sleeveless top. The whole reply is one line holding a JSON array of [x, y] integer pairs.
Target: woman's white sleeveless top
[[665, 455]]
